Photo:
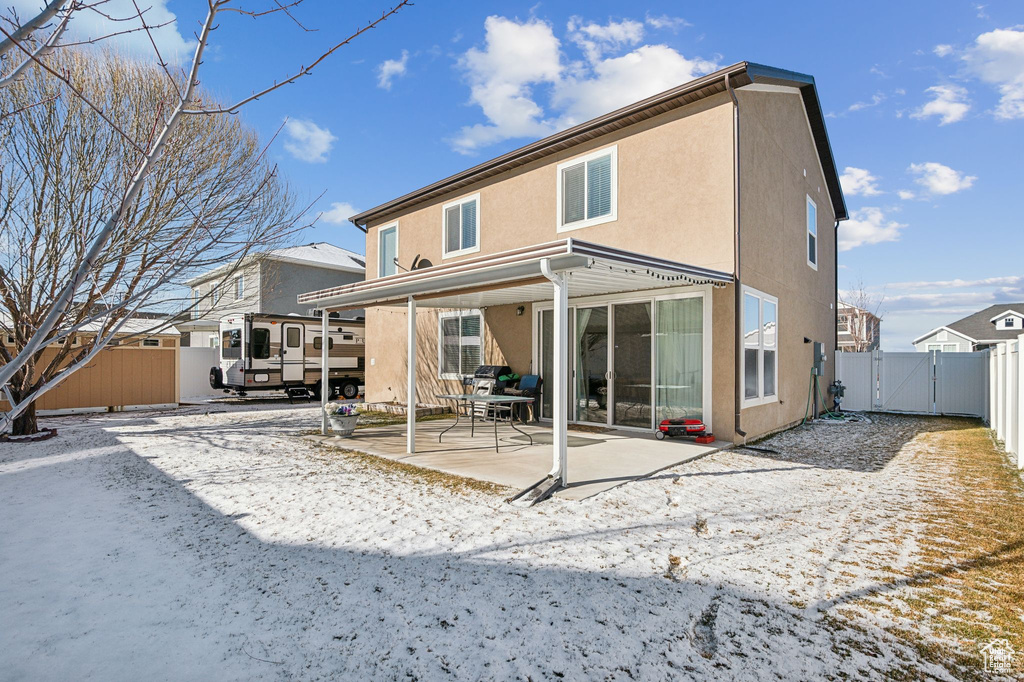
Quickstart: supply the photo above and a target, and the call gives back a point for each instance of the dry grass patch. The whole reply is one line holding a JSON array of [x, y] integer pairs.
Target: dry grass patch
[[967, 586]]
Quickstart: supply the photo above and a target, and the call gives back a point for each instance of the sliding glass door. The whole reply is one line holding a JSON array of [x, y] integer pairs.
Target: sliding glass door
[[631, 364], [631, 389]]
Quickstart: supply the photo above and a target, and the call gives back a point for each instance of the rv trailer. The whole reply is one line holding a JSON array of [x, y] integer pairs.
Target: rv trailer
[[263, 352]]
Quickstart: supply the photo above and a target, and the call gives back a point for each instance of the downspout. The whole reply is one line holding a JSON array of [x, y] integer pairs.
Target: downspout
[[835, 272], [738, 293]]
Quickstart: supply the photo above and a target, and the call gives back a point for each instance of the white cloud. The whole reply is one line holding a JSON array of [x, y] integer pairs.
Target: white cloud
[[997, 57], [858, 181], [516, 56], [618, 81], [940, 179], [308, 141], [1009, 281], [522, 61], [666, 22], [867, 226], [876, 99], [595, 39], [338, 213], [943, 50], [949, 103], [390, 69], [88, 25], [906, 194]]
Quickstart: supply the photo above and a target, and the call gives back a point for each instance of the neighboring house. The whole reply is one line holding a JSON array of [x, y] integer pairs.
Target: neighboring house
[[995, 324], [859, 330], [268, 283], [694, 234]]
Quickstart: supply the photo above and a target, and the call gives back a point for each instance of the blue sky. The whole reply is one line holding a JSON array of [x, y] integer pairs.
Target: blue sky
[[925, 103]]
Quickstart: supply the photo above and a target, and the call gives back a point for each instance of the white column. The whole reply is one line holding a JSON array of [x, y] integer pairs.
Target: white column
[[1000, 390], [410, 389], [560, 394], [325, 382]]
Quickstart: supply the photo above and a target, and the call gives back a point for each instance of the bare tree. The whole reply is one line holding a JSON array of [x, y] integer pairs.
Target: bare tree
[[860, 311], [107, 249]]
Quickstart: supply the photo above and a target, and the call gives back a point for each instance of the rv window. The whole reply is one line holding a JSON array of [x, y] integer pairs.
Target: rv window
[[318, 343], [294, 340], [260, 348], [231, 343], [347, 337]]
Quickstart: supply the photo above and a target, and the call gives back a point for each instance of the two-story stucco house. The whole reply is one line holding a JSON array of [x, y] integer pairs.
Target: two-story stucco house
[[676, 257], [978, 331], [267, 283]]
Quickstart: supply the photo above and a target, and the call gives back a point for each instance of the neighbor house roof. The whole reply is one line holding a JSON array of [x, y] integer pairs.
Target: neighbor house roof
[[739, 75], [318, 254], [979, 326]]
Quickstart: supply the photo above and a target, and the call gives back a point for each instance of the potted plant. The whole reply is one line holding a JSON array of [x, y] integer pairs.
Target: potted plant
[[342, 417]]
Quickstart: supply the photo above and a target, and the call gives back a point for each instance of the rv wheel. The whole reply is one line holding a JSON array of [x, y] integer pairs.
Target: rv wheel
[[216, 378], [349, 390]]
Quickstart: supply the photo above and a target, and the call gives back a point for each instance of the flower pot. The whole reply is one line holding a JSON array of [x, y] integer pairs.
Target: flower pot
[[343, 426]]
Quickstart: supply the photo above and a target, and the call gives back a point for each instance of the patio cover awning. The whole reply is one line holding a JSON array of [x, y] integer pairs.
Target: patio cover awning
[[517, 276]]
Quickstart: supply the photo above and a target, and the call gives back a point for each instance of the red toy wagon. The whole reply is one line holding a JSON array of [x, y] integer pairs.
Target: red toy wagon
[[684, 428]]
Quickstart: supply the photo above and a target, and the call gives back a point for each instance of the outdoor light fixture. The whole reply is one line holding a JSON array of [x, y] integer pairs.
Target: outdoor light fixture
[[520, 310]]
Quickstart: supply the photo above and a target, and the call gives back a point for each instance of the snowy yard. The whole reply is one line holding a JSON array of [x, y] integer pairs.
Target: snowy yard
[[214, 542]]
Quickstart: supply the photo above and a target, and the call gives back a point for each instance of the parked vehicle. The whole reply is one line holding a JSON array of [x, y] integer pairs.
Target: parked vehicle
[[262, 352]]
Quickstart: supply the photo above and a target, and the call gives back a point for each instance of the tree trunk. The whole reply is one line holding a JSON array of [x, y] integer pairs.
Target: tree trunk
[[25, 424]]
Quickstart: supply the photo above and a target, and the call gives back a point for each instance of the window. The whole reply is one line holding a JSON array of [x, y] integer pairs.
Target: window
[[587, 189], [812, 233], [231, 343], [195, 303], [760, 348], [460, 343], [387, 250], [151, 343], [259, 344], [318, 342], [462, 226], [239, 288], [949, 348], [293, 337]]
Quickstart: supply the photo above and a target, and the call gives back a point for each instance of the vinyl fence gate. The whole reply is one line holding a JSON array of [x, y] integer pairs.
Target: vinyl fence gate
[[917, 383]]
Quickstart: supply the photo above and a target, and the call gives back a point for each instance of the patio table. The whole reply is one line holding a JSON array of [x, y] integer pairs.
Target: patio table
[[499, 403]]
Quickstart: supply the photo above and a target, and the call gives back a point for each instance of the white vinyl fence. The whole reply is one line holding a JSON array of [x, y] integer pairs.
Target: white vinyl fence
[[987, 384], [195, 367], [918, 383], [1006, 396]]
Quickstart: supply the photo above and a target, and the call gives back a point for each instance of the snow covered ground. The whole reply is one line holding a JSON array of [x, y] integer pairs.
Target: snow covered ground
[[214, 543]]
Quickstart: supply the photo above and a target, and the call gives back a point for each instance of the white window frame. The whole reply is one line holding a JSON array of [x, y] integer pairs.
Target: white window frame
[[196, 296], [761, 398], [380, 252], [588, 222], [239, 287], [440, 340], [445, 253], [807, 236]]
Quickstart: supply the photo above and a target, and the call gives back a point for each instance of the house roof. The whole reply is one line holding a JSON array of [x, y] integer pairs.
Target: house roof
[[739, 75], [317, 254], [979, 327]]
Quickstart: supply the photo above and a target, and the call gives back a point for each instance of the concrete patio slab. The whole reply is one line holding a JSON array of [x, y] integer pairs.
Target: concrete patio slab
[[597, 461]]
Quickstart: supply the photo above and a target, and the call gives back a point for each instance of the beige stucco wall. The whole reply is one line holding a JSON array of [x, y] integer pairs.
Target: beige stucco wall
[[675, 201], [776, 148], [674, 196]]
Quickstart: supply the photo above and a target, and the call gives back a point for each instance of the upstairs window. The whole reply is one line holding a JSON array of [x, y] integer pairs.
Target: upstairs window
[[587, 189], [239, 288], [387, 251], [462, 226], [460, 341], [812, 233], [195, 303], [760, 347]]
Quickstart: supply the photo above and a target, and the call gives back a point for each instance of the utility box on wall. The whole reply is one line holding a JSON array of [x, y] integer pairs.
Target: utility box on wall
[[818, 349]]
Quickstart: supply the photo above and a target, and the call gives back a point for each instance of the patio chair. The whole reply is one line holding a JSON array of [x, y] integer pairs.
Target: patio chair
[[529, 385]]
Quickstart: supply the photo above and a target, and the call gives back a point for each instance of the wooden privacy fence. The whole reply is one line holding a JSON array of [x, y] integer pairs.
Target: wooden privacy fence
[[916, 383], [1006, 396], [120, 377]]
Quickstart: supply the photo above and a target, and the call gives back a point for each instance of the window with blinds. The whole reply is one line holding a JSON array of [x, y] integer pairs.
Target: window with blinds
[[586, 189], [462, 226], [461, 343], [387, 251]]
